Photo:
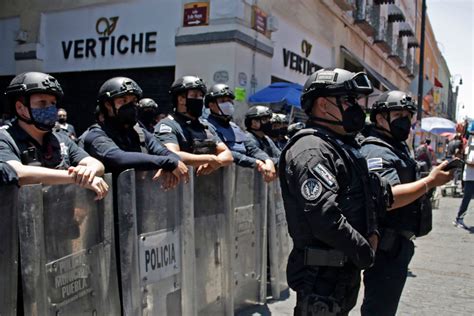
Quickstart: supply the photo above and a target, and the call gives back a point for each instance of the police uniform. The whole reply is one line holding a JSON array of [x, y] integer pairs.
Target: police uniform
[[266, 144], [328, 207], [384, 281], [58, 151], [120, 148], [193, 136], [7, 174], [244, 151]]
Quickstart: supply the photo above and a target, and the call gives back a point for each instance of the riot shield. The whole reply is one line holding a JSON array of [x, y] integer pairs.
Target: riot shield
[[156, 246], [278, 240], [212, 207], [67, 251], [248, 242], [8, 250]]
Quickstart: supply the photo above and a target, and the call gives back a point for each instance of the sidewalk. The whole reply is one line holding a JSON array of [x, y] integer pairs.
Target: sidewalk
[[441, 279]]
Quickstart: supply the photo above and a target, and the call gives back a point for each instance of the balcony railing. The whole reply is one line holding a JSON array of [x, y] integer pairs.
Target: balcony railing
[[397, 52], [380, 36], [366, 16]]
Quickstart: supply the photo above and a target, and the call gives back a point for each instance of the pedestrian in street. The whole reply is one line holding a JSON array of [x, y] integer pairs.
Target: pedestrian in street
[[259, 126], [31, 147], [468, 178], [410, 215], [220, 101], [116, 140], [328, 196], [187, 134]]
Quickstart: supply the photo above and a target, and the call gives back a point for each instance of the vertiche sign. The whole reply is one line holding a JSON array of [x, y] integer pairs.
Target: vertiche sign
[[196, 14]]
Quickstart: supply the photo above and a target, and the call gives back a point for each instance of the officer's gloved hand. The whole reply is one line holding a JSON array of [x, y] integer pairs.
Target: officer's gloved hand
[[364, 256]]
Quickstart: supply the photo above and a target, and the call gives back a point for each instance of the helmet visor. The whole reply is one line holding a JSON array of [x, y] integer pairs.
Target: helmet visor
[[360, 84]]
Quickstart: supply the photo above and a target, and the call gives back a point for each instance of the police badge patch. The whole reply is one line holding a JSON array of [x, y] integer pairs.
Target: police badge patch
[[311, 189], [165, 129], [374, 164]]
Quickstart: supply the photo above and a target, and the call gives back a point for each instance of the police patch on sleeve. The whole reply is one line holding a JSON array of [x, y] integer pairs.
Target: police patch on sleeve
[[324, 175], [374, 164], [311, 189], [165, 129]]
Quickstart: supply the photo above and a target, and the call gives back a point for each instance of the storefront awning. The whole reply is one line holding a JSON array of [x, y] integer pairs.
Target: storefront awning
[[395, 14], [405, 29], [370, 70], [279, 92]]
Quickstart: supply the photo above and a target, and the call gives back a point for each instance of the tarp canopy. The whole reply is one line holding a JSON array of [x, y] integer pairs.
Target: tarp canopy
[[437, 125], [279, 92]]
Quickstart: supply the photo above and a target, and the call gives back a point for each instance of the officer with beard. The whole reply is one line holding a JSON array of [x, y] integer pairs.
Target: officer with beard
[[31, 147], [410, 214], [116, 140], [220, 101], [187, 134], [329, 196], [258, 124]]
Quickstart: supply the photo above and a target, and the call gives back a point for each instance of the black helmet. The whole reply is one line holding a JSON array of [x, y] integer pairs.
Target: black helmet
[[117, 87], [257, 112], [147, 103], [218, 91], [392, 101], [186, 83], [333, 82], [28, 83]]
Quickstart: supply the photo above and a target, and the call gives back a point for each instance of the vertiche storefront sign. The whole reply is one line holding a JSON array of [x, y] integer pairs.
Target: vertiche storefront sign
[[107, 43]]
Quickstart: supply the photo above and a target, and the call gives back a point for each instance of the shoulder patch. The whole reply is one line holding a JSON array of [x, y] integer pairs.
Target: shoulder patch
[[311, 189], [374, 164], [165, 129], [326, 176]]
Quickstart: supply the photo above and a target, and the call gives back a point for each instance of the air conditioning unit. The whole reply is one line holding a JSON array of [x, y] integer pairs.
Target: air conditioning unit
[[272, 23]]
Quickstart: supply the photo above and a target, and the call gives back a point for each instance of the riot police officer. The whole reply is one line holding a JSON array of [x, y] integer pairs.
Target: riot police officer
[[148, 114], [121, 143], [257, 122], [328, 196], [220, 101], [410, 215], [36, 152], [189, 135], [279, 130]]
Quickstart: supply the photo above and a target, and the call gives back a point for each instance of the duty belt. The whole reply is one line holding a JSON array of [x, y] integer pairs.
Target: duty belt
[[324, 257]]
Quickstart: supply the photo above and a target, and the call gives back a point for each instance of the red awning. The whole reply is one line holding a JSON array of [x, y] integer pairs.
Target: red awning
[[438, 83]]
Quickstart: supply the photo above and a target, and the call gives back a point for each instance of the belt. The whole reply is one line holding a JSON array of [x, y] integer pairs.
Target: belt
[[324, 257], [407, 234]]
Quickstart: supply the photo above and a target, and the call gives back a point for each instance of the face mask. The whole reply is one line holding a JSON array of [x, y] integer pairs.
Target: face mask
[[227, 108], [194, 107], [45, 118], [400, 128], [266, 128], [127, 114], [353, 119], [148, 118], [62, 120]]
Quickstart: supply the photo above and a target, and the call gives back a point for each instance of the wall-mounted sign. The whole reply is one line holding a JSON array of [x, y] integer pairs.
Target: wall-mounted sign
[[196, 14], [299, 63], [259, 20], [125, 35], [242, 79], [240, 94], [221, 76]]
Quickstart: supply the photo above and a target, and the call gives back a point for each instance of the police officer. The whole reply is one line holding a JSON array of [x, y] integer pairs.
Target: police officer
[[148, 114], [36, 153], [220, 101], [187, 134], [410, 215], [63, 125], [257, 122], [279, 130], [328, 197], [117, 143], [7, 174]]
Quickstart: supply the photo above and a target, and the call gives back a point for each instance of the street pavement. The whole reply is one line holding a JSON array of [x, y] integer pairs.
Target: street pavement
[[441, 276]]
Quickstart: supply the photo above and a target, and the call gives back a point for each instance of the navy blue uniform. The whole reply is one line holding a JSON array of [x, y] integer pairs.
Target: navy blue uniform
[[244, 151], [58, 151], [119, 148], [322, 177], [7, 174], [266, 144], [384, 281], [192, 136]]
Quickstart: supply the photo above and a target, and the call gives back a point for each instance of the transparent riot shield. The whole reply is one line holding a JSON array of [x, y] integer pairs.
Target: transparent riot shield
[[278, 240], [212, 207], [156, 246], [67, 251], [248, 241], [8, 250]]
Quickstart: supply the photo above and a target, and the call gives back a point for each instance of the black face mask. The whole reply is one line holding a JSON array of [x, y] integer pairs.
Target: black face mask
[[194, 107], [147, 118], [266, 128], [62, 120], [127, 114], [400, 128], [353, 119]]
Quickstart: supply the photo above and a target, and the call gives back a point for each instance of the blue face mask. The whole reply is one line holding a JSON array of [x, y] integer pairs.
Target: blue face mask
[[45, 118]]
